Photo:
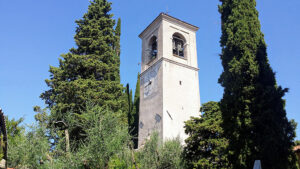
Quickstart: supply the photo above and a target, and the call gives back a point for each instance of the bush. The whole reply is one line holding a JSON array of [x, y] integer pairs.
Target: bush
[[29, 150], [106, 141], [106, 144], [158, 155]]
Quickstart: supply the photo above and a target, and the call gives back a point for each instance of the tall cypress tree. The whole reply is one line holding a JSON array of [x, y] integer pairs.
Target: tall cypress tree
[[117, 45], [129, 102], [118, 35], [88, 72], [135, 112], [254, 117]]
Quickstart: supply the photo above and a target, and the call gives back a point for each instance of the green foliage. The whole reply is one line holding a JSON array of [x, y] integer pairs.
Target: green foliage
[[252, 106], [88, 72], [129, 105], [133, 115], [3, 136], [117, 163], [15, 139], [117, 44], [14, 129], [206, 144], [297, 142], [42, 116], [105, 138], [1, 147], [118, 29], [132, 109], [106, 144], [158, 155], [27, 150]]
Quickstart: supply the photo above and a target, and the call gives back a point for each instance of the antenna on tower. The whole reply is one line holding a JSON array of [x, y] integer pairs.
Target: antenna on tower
[[167, 9]]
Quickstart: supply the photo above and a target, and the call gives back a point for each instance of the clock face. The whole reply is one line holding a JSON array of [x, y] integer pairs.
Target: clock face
[[149, 81]]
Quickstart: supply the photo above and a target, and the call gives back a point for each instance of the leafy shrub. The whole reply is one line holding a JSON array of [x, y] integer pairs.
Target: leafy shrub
[[158, 155], [28, 150]]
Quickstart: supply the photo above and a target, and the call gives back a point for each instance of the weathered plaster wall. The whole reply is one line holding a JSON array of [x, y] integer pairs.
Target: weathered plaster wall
[[151, 102], [181, 97], [169, 84]]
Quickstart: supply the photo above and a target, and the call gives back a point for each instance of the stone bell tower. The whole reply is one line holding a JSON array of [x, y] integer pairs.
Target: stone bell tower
[[169, 88]]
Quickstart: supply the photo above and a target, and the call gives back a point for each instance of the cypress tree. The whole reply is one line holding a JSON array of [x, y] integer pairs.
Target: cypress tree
[[129, 102], [135, 112], [254, 117], [118, 35], [117, 45], [88, 72]]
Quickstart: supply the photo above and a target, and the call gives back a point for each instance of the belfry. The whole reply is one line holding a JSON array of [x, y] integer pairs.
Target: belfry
[[169, 78]]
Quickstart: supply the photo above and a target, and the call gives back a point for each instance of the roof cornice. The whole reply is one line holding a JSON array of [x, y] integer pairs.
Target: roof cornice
[[164, 16]]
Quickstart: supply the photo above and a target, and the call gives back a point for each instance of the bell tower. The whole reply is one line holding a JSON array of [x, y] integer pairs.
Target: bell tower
[[169, 88]]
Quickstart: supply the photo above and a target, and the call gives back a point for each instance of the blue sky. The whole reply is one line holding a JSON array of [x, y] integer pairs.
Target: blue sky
[[33, 34]]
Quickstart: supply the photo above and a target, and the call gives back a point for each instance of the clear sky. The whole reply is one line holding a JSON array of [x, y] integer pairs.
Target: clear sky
[[33, 34]]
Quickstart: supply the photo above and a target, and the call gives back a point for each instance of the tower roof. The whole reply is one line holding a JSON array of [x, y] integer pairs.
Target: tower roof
[[169, 18]]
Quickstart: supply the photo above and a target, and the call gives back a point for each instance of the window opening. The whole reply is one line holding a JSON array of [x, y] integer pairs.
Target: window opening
[[153, 53], [141, 125], [178, 46], [157, 118]]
